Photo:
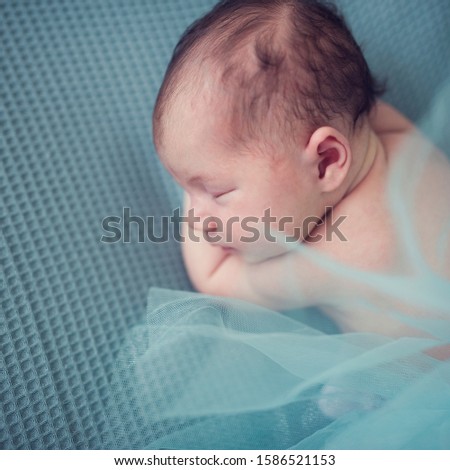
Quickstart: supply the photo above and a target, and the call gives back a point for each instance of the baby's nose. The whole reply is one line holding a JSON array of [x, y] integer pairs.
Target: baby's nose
[[210, 226]]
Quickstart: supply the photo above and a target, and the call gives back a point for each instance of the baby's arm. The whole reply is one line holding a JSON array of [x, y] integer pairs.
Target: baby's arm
[[286, 281], [273, 283]]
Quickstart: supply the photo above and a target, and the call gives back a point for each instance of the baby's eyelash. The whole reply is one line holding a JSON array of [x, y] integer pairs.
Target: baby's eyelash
[[220, 194]]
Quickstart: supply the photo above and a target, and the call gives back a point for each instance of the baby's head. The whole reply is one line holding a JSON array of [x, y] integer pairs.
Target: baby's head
[[266, 97]]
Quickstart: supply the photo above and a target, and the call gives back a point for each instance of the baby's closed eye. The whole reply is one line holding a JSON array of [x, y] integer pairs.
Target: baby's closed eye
[[219, 194]]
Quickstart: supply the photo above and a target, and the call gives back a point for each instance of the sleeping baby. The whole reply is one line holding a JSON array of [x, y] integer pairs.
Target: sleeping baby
[[268, 118]]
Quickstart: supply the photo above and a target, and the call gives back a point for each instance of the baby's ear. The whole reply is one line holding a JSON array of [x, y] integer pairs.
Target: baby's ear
[[329, 156]]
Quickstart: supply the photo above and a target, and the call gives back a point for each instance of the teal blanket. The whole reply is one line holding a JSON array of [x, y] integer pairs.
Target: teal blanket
[[78, 82]]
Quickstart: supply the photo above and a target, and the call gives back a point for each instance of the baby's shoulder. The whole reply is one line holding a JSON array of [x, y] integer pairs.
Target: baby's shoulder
[[415, 196]]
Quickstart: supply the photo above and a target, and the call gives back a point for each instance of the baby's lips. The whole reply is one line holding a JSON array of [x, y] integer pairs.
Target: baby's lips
[[228, 249]]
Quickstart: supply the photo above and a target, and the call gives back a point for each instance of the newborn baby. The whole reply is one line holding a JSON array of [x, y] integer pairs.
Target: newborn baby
[[268, 118]]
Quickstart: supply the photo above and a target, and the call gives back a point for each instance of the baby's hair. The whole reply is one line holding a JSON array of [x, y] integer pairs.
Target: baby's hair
[[285, 63]]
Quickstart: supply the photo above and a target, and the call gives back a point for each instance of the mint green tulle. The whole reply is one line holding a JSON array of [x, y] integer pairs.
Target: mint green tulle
[[210, 373], [203, 372]]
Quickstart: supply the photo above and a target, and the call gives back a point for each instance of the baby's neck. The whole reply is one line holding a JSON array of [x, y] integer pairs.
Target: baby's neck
[[367, 149]]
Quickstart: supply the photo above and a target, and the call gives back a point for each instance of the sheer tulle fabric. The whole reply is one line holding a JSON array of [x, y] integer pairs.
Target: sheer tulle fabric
[[209, 373]]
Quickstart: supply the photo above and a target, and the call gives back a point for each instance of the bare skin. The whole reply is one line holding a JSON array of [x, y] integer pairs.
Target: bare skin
[[355, 170]]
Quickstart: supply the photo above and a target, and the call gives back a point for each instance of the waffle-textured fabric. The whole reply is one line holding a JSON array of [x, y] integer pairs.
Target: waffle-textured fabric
[[77, 86]]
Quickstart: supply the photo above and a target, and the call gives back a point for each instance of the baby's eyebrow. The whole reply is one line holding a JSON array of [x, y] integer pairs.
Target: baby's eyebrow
[[192, 180], [199, 179]]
